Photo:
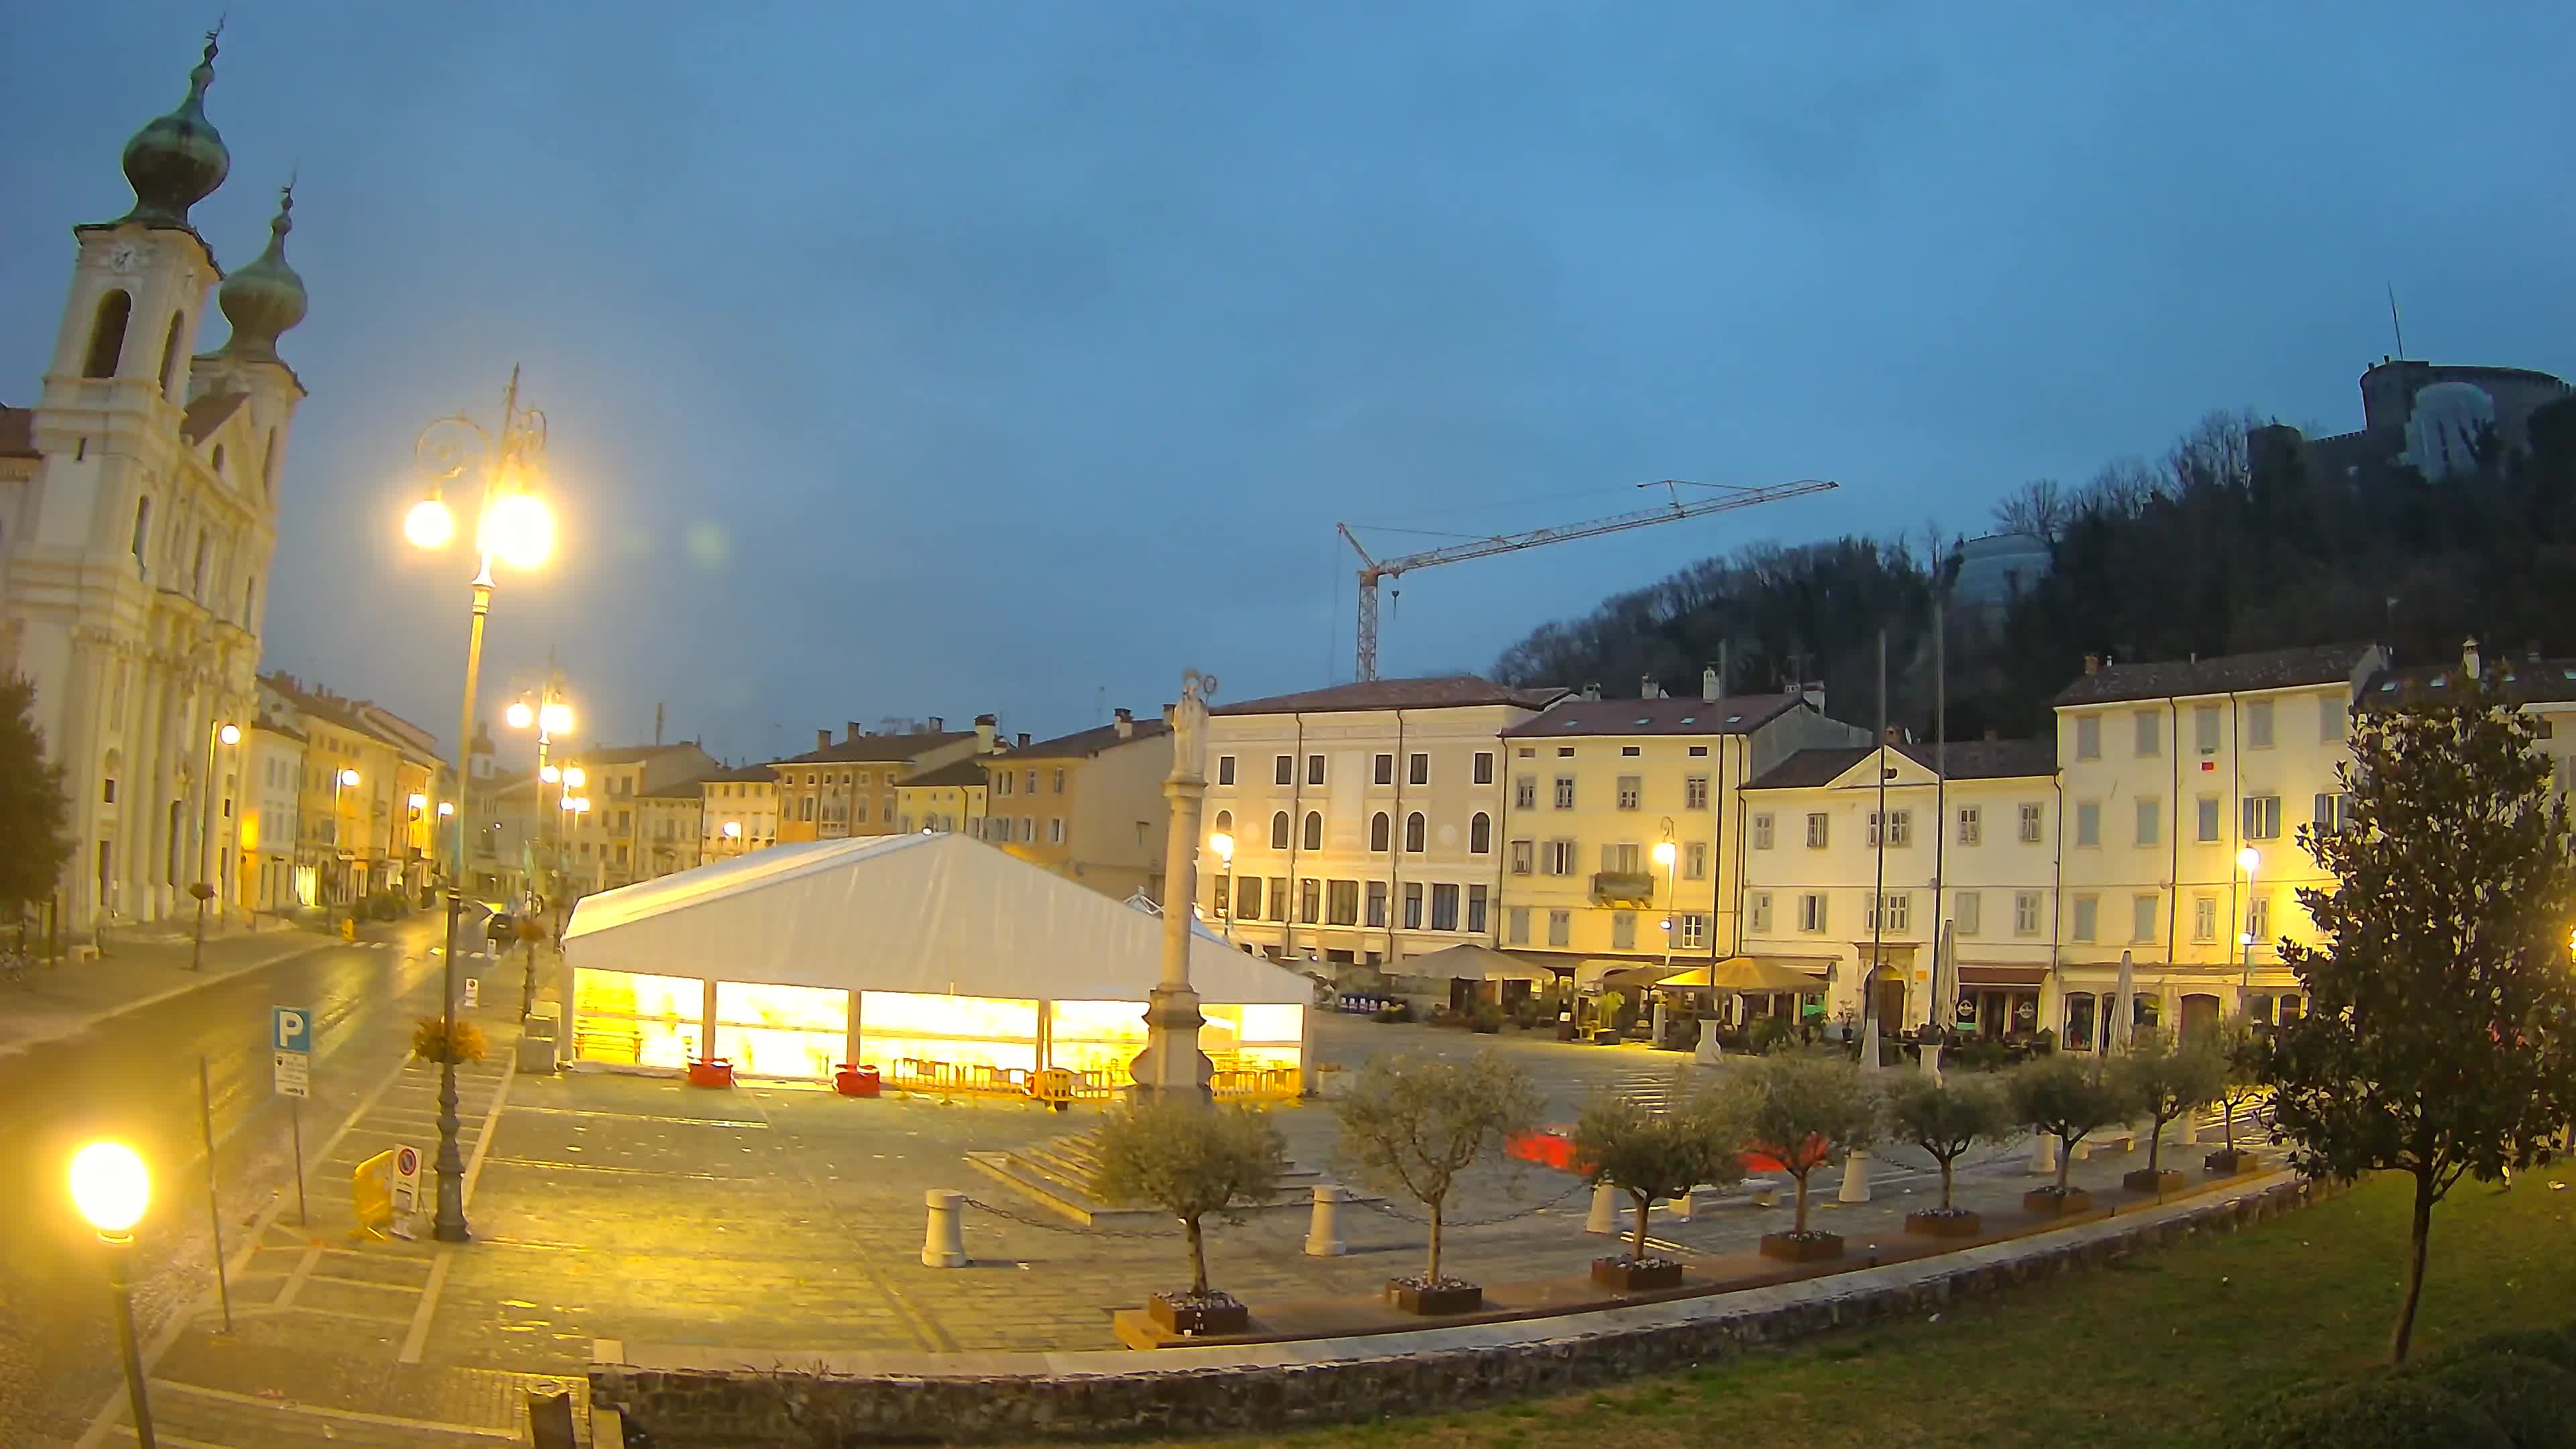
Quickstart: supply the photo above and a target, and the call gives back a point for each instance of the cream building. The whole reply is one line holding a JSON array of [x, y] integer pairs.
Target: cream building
[[670, 824], [609, 843], [846, 788], [1970, 837], [1088, 806], [737, 811], [1596, 786], [948, 800], [2171, 773], [1366, 818], [138, 508]]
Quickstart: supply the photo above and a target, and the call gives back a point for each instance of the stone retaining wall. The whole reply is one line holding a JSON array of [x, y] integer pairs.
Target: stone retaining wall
[[706, 1399]]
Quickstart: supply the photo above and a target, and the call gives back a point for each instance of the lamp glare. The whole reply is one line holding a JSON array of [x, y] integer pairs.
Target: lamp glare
[[519, 715], [520, 530], [110, 1186], [557, 718], [429, 524]]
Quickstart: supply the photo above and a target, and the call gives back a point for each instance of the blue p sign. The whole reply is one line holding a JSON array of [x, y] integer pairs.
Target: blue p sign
[[290, 1029]]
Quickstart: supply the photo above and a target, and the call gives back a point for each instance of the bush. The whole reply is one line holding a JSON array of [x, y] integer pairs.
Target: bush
[[2532, 1399], [2550, 1345], [429, 1041], [1486, 1021], [1771, 1032], [2385, 1413], [1400, 1011]]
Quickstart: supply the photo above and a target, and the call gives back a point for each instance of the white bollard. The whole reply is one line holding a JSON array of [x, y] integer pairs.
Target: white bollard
[[1855, 1179], [1932, 1060], [1605, 1210], [1682, 1204], [2043, 1154], [1324, 1228], [942, 1244], [2190, 1125]]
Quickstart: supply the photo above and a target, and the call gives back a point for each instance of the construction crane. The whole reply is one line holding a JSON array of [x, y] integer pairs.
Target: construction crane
[[1372, 570]]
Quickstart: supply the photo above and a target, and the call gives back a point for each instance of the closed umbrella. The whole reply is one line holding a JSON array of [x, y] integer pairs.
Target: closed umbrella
[[1869, 1021], [2122, 1012]]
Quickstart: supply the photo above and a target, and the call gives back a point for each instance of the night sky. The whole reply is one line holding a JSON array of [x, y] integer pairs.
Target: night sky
[[935, 359]]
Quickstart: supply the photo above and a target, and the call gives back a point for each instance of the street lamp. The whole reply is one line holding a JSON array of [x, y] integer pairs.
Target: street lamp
[[551, 716], [111, 1188], [1223, 844], [224, 735], [2248, 860], [1665, 855], [513, 524]]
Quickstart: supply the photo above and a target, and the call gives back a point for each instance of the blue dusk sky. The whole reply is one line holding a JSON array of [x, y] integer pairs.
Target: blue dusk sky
[[910, 360]]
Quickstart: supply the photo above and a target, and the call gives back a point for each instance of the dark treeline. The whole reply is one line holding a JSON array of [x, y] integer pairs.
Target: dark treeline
[[2224, 545]]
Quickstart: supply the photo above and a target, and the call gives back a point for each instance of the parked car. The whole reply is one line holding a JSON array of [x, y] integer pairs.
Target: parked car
[[503, 929]]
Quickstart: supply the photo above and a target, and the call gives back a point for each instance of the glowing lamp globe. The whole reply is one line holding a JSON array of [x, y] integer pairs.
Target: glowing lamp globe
[[556, 718], [550, 774], [1663, 852], [1223, 845], [575, 776], [520, 530], [733, 830], [519, 715], [429, 524], [2248, 858], [229, 734], [446, 807], [110, 1186], [419, 802], [349, 778]]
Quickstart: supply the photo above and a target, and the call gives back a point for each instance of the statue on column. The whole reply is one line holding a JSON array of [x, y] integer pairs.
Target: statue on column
[[1171, 1067]]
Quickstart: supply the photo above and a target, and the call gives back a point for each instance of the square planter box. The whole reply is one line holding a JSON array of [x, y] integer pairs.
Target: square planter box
[[1812, 1248], [1218, 1313], [1957, 1223], [854, 1081], [2046, 1202], [2162, 1180], [1626, 1275], [1447, 1298], [2224, 1163], [716, 1072]]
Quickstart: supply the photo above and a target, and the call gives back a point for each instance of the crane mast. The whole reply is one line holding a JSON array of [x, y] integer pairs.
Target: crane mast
[[1374, 570]]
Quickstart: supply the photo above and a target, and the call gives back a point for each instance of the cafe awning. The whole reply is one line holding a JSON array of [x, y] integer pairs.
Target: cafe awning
[[1475, 963], [1743, 975], [1973, 973]]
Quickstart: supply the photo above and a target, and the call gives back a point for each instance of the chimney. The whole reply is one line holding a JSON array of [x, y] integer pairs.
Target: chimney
[[2469, 658], [2092, 663], [1592, 691], [984, 730], [1023, 739], [1126, 724], [1708, 685], [939, 724], [822, 739], [1894, 736], [850, 730]]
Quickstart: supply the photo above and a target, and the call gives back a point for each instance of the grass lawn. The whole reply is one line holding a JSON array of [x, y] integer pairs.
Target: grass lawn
[[2149, 1352]]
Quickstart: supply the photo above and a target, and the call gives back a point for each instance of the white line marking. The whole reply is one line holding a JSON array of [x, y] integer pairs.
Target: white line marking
[[346, 1416], [418, 1336]]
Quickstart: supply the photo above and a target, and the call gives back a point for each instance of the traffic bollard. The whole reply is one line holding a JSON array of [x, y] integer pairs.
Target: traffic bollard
[[1605, 1210], [943, 1244], [1855, 1178], [2043, 1155], [1324, 1228]]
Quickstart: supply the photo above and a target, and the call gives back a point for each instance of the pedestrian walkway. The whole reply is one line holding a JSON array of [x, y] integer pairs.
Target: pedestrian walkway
[[62, 998]]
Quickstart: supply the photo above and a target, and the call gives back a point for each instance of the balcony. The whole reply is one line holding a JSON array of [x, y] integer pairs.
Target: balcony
[[1623, 887]]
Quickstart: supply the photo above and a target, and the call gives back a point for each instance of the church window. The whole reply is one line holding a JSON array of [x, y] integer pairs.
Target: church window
[[142, 533], [107, 334], [170, 357], [219, 462]]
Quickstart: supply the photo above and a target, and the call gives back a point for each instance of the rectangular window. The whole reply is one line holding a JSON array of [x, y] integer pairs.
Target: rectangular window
[[2258, 921], [1418, 770], [1695, 792], [2151, 820], [1695, 860], [1377, 903], [2088, 910], [1819, 830], [2334, 719], [1476, 896], [2258, 724], [1314, 769], [1632, 790], [1310, 900], [1525, 792], [1413, 905], [2333, 812], [2207, 823], [2262, 817], [1811, 913], [2204, 919], [1278, 897], [1444, 908], [1484, 767], [2088, 822], [2151, 739], [1900, 828], [1221, 900], [1757, 909], [1899, 908], [1972, 828], [1559, 857], [1225, 769], [1521, 855], [1283, 771], [1560, 928], [2030, 822], [1762, 831], [2142, 917], [1967, 912], [1031, 783], [1058, 783], [2026, 913], [2204, 728], [1565, 792], [1623, 930], [1342, 903], [1383, 770], [2088, 737], [1620, 857], [1629, 752], [1694, 932], [1516, 925], [1249, 888], [1055, 830]]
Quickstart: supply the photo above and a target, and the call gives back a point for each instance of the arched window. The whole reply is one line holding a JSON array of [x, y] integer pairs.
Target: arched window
[[219, 462], [1314, 830], [1480, 834], [170, 357], [107, 334], [143, 534], [1413, 832], [1279, 831], [1378, 831], [1225, 821], [268, 468]]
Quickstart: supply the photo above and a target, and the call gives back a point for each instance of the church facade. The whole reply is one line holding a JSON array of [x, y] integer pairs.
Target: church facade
[[138, 515]]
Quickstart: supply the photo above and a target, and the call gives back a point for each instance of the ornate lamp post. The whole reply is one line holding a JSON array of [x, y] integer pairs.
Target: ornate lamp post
[[513, 524], [111, 1189], [2248, 860], [347, 779], [1223, 844], [1171, 1067], [225, 735]]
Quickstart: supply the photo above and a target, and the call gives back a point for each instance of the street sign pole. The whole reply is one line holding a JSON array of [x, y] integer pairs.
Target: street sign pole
[[295, 1123], [214, 1208], [290, 1040]]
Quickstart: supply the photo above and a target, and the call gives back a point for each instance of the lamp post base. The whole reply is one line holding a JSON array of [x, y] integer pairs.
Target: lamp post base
[[448, 1226]]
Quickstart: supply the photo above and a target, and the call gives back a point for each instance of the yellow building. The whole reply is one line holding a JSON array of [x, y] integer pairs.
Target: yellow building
[[947, 800], [669, 829], [846, 788], [737, 811], [1088, 806], [609, 844]]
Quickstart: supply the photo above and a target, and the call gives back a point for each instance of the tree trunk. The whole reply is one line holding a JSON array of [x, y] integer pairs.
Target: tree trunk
[[1946, 1164], [2420, 1230], [1198, 1259], [1802, 1204], [2156, 1140], [1435, 1244], [1637, 1244], [2065, 1159], [2229, 1103]]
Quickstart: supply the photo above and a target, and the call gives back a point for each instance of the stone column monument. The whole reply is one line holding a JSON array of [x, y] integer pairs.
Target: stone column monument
[[1171, 1067]]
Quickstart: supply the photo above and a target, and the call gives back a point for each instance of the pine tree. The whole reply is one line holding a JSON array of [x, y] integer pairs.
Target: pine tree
[[35, 818], [2440, 1040]]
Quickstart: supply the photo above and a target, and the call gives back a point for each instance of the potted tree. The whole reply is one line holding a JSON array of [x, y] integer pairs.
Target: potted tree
[[1191, 1162], [2165, 1078], [1945, 1117], [1803, 1112], [2068, 1098], [1414, 1127], [432, 1043], [2240, 1047], [1649, 1155]]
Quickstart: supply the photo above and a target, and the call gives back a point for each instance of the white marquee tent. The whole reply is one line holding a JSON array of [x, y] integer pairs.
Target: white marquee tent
[[915, 953]]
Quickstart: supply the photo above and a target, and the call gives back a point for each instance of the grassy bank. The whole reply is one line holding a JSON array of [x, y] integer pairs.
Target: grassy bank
[[2151, 1352]]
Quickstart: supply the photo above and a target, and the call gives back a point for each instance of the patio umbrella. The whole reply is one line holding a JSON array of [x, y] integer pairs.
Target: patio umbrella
[[1945, 977], [2121, 1011]]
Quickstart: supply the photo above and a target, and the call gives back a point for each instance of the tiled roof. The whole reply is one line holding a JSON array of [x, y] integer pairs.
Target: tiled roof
[[751, 774], [627, 754], [968, 771], [1083, 744], [2174, 678], [207, 413], [683, 790], [1446, 691], [877, 749], [2526, 681], [1967, 759], [17, 433], [1737, 714]]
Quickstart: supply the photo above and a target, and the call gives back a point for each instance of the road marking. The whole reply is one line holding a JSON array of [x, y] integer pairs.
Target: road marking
[[345, 1416], [415, 1340], [418, 1336], [295, 1281], [163, 1437]]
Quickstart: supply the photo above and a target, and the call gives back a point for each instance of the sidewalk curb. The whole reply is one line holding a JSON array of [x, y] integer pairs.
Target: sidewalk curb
[[199, 981]]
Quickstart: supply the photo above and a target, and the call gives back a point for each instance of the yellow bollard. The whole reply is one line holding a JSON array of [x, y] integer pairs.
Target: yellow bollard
[[348, 928], [372, 1185]]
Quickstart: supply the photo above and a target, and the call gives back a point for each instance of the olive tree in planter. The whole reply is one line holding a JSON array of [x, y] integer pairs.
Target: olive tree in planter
[[2165, 1078], [1945, 1117], [1650, 1155], [1803, 1112], [1414, 1127], [1192, 1162], [2069, 1098], [2241, 1048]]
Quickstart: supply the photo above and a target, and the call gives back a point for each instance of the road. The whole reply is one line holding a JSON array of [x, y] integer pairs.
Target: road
[[134, 1078]]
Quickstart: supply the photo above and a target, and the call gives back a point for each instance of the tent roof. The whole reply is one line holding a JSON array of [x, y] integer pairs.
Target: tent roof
[[1475, 963], [941, 914]]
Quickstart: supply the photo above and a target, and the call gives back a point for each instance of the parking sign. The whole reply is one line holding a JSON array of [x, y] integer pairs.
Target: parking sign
[[290, 1029]]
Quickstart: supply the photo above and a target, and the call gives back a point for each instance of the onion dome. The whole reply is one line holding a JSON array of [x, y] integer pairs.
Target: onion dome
[[178, 160], [265, 298]]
